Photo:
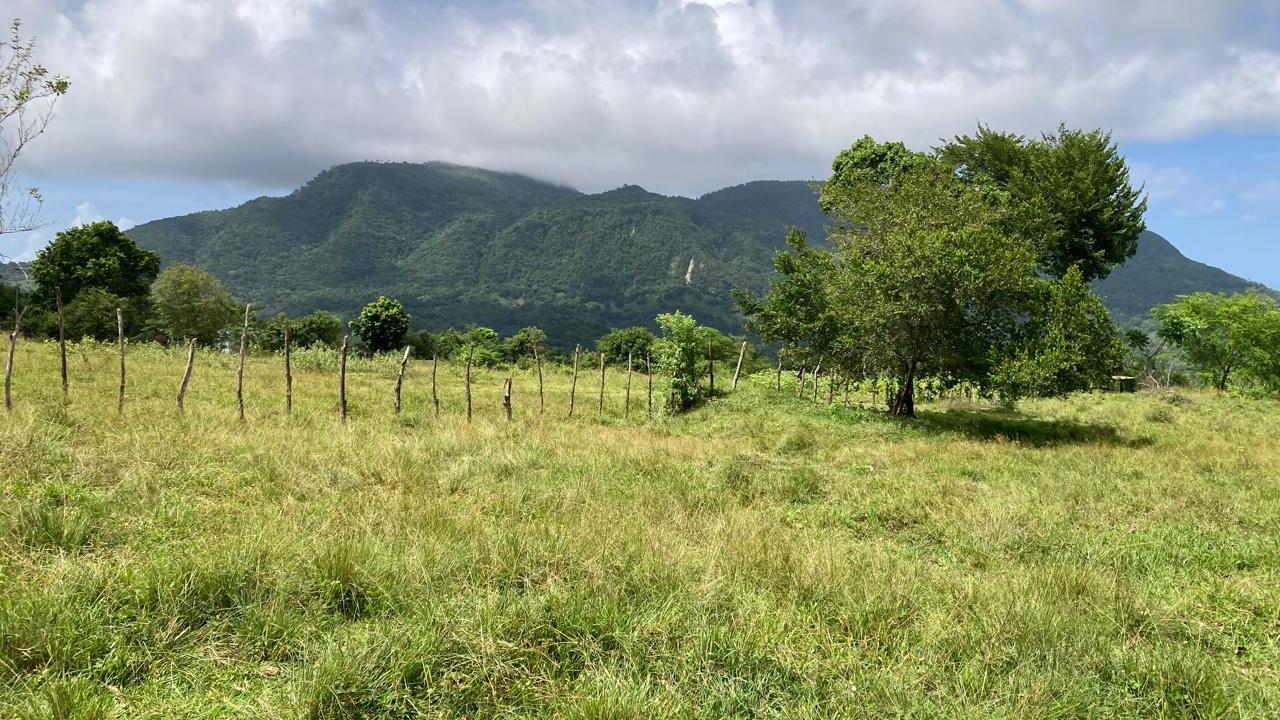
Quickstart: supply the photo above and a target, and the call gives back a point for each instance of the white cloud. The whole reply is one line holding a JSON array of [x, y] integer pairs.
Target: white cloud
[[677, 95], [86, 213]]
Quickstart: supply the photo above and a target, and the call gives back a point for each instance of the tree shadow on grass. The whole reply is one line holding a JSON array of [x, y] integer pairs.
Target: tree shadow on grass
[[1004, 423]]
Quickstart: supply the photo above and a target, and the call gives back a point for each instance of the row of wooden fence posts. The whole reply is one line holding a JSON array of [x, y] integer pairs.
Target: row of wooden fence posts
[[342, 372]]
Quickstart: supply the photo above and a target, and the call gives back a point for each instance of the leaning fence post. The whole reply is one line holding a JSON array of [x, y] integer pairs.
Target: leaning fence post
[[648, 371], [542, 405], [626, 403], [120, 343], [288, 373], [435, 397], [467, 380], [244, 339], [817, 375], [506, 398], [400, 376], [600, 406], [738, 370], [800, 390], [573, 386], [342, 380], [62, 343], [186, 376]]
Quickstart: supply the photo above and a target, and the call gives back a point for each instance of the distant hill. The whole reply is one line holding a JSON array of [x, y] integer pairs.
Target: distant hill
[[463, 245], [1158, 273]]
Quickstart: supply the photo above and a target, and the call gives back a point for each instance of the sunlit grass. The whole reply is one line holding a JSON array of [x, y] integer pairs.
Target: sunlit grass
[[1100, 556]]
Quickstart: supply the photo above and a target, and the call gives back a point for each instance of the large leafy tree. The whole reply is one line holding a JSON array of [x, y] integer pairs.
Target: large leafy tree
[[1070, 191], [928, 276], [383, 325], [190, 303], [1225, 335], [617, 344], [96, 255]]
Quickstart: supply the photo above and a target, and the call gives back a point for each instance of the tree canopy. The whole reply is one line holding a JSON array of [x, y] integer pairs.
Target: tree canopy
[[383, 325], [96, 255], [1225, 336], [190, 303]]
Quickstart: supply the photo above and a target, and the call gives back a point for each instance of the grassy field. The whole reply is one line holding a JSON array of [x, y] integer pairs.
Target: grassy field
[[1101, 556]]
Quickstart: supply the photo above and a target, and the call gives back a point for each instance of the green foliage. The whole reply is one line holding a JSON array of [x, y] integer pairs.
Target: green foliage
[[190, 303], [483, 345], [92, 314], [618, 344], [1070, 190], [382, 326], [796, 311], [317, 328], [927, 298], [1226, 336], [96, 255], [522, 344], [1070, 344], [680, 358]]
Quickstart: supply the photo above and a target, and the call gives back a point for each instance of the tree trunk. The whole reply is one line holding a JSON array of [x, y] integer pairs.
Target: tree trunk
[[8, 371], [648, 371], [800, 390], [905, 404], [711, 369]]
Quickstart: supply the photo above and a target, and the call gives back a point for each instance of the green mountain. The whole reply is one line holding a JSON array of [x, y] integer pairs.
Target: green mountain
[[462, 245]]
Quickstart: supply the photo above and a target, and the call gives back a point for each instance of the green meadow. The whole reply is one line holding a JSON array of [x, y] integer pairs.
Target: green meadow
[[1101, 556]]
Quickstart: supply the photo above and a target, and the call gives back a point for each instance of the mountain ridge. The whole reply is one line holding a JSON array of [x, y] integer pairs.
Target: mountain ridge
[[463, 245]]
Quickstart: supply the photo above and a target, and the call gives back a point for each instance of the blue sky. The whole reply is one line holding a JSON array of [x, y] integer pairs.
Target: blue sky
[[184, 105]]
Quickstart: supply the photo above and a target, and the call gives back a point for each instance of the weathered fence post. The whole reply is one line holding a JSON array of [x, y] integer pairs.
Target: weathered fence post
[[573, 385], [400, 376], [244, 340], [435, 398], [626, 403], [467, 380], [8, 366], [817, 375], [62, 343], [831, 388], [342, 380], [777, 381], [600, 405], [738, 370], [120, 343], [800, 390], [711, 368], [648, 371], [506, 398], [537, 360], [186, 376], [288, 373]]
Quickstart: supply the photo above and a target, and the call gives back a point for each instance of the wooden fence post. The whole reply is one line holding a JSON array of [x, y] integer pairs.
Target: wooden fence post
[[777, 381], [800, 391], [626, 403], [467, 380], [817, 375], [648, 371], [120, 342], [537, 360], [600, 406], [573, 386], [244, 340], [288, 373], [342, 380], [711, 368], [831, 389], [435, 397], [400, 376], [8, 367], [506, 398], [738, 370], [62, 343], [186, 376]]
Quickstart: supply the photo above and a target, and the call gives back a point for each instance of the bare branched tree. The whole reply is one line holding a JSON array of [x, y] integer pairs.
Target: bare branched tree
[[28, 94]]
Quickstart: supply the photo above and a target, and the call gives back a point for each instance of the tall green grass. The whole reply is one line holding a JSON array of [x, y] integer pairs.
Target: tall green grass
[[762, 556]]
